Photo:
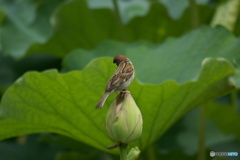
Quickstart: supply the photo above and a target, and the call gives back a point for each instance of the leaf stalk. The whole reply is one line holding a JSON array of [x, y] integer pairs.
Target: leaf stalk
[[194, 13], [119, 21]]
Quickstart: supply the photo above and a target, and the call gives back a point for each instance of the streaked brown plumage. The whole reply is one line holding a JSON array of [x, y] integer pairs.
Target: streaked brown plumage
[[121, 78]]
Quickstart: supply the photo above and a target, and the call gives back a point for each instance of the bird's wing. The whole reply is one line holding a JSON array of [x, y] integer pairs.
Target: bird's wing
[[123, 73]]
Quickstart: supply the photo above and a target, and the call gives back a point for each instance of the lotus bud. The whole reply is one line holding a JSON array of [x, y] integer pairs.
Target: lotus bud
[[124, 119]]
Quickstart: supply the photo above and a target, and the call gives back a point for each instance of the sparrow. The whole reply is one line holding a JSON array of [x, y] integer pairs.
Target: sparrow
[[120, 80]]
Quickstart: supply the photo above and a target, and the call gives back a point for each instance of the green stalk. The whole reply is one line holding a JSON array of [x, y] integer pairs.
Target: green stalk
[[123, 151], [119, 21], [201, 138], [194, 13]]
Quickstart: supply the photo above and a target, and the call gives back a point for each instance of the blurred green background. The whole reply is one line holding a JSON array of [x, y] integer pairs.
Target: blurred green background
[[168, 42]]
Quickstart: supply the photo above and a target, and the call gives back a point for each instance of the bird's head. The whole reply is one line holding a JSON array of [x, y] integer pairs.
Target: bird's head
[[119, 58]]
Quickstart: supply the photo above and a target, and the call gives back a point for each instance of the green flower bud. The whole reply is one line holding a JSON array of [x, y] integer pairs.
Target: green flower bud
[[124, 119], [133, 154]]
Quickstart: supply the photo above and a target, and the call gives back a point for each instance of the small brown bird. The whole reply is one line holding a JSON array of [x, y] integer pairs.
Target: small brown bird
[[121, 78]]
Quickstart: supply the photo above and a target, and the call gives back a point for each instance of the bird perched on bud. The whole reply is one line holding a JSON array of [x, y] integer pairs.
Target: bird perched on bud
[[121, 78]]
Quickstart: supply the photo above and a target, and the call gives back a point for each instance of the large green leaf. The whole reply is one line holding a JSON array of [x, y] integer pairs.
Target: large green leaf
[[226, 124], [178, 59], [78, 26], [75, 24], [26, 23], [65, 103]]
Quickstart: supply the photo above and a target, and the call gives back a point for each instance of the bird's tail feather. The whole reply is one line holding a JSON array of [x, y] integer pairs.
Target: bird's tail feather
[[102, 101]]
